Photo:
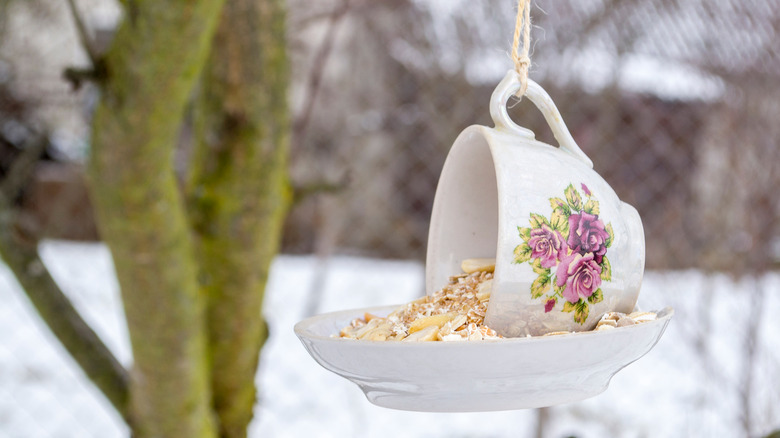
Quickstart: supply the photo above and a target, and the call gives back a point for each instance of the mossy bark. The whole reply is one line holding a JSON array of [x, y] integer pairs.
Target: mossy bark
[[239, 193], [78, 338], [155, 59]]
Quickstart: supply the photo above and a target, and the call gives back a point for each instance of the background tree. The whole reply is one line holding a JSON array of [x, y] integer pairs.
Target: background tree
[[191, 257]]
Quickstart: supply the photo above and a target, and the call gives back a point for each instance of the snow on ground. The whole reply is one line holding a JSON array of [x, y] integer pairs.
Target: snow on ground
[[691, 385]]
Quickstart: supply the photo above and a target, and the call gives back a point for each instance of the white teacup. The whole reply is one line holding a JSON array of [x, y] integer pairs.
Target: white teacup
[[567, 249]]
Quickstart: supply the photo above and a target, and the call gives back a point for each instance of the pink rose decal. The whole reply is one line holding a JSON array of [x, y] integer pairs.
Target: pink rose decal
[[546, 244], [587, 234], [581, 275], [568, 253]]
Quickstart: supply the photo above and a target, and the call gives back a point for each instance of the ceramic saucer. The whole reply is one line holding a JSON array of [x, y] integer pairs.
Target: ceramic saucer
[[472, 376]]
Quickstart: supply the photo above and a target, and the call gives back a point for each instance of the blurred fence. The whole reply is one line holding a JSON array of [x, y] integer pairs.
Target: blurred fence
[[676, 102]]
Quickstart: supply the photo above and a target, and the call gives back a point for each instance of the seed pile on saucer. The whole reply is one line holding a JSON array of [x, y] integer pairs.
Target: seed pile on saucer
[[456, 313]]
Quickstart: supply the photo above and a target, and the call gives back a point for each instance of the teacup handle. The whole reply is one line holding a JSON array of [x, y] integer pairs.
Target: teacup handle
[[511, 85]]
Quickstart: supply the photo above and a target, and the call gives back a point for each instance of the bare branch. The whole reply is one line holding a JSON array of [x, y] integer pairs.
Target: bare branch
[[542, 420], [20, 170], [64, 321], [81, 29], [751, 347], [305, 191], [19, 250], [77, 76], [355, 7], [316, 73]]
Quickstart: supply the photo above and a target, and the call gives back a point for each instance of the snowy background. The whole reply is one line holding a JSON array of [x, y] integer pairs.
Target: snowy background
[[676, 102], [699, 381]]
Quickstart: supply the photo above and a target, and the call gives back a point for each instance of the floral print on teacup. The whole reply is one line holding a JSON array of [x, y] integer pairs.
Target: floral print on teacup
[[568, 252]]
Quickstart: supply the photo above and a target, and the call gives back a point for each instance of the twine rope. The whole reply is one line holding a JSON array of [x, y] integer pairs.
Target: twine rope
[[521, 59]]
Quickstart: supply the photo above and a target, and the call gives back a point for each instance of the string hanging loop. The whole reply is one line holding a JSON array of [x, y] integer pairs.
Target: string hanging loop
[[520, 56]]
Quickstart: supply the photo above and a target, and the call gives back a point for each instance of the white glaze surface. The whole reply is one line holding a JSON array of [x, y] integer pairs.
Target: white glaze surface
[[472, 376]]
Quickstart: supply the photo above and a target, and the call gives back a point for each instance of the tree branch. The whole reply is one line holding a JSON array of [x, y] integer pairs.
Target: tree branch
[[304, 191], [355, 7], [316, 73], [20, 252], [81, 29], [240, 193], [77, 76], [64, 321], [19, 173], [752, 346]]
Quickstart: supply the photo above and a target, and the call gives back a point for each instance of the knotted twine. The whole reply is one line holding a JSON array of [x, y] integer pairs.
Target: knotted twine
[[521, 59]]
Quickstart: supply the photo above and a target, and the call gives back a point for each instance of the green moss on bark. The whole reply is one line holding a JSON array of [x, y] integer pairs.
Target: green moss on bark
[[239, 193], [155, 59]]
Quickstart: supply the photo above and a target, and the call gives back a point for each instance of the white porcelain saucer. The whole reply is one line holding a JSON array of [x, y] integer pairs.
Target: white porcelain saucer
[[473, 376]]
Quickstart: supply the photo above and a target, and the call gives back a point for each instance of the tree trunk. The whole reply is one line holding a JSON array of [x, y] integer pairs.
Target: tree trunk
[[156, 58], [239, 193]]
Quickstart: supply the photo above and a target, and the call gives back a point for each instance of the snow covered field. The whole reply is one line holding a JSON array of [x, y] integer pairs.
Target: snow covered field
[[693, 384]]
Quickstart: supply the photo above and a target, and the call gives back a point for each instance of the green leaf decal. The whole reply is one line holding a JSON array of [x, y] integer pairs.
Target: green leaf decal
[[592, 206], [581, 311], [560, 221], [606, 269], [540, 286], [537, 220], [522, 253], [596, 297], [560, 203], [611, 237], [573, 197], [568, 307], [538, 269], [525, 233]]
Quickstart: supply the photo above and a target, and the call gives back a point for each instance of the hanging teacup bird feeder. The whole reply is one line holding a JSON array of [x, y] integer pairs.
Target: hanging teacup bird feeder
[[567, 252]]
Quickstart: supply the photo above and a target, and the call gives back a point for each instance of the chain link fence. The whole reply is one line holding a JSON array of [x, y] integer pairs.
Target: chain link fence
[[676, 103], [676, 116]]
